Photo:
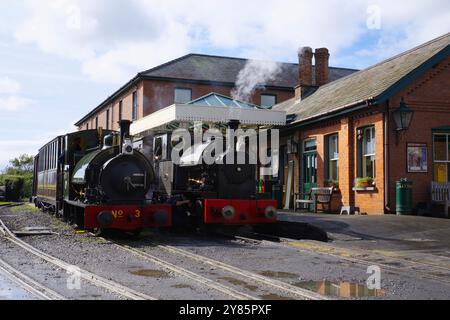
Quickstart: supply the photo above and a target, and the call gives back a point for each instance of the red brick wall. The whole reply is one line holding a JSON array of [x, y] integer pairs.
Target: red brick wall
[[154, 95], [371, 202], [429, 97]]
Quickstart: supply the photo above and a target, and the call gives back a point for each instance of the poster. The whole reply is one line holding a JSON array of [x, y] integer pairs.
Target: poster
[[417, 158]]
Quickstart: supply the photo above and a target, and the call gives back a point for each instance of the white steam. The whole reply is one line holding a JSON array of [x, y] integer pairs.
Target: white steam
[[253, 75]]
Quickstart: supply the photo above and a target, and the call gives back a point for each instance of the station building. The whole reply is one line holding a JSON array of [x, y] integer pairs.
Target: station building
[[348, 133], [188, 78]]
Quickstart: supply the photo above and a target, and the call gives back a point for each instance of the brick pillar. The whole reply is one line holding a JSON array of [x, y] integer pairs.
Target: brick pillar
[[346, 162], [305, 75], [322, 58]]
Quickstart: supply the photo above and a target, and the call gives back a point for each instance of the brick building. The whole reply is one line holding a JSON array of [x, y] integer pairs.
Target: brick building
[[185, 79], [345, 129]]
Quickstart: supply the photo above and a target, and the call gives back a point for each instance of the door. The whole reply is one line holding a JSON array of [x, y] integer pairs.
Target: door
[[309, 165]]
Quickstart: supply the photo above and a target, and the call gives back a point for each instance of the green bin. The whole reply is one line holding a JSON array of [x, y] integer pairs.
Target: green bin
[[404, 197]]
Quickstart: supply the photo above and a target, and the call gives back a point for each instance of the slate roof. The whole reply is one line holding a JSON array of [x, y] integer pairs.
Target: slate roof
[[213, 69], [202, 67], [370, 85]]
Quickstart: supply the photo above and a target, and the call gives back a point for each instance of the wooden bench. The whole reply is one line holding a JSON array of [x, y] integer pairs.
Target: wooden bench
[[440, 194], [315, 196]]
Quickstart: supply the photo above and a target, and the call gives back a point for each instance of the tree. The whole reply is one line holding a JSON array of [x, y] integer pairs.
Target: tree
[[22, 163], [18, 177]]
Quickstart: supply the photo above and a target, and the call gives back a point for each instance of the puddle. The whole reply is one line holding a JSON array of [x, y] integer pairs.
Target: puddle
[[272, 296], [150, 273], [278, 274], [340, 289], [182, 286], [238, 282]]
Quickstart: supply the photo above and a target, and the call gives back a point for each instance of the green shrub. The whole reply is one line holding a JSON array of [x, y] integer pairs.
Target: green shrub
[[14, 187]]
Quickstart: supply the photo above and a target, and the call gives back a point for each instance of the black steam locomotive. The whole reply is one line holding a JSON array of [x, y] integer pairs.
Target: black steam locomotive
[[216, 194], [97, 180]]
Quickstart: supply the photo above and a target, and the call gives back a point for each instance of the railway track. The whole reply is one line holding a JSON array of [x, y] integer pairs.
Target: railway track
[[87, 276], [427, 270], [248, 275], [36, 289]]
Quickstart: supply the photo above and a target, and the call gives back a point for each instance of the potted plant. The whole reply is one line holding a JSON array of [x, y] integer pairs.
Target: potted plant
[[365, 182]]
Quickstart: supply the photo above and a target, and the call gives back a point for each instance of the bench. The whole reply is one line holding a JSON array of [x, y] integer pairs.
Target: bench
[[315, 196], [440, 194]]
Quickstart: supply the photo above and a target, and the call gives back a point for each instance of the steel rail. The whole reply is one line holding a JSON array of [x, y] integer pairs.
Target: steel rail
[[279, 285], [28, 284], [84, 274], [188, 274]]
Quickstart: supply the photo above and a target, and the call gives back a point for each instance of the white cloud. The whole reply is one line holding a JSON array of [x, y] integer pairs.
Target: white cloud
[[8, 85], [14, 103], [113, 40]]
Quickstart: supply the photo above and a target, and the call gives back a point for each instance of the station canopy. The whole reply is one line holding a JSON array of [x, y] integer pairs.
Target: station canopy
[[212, 109]]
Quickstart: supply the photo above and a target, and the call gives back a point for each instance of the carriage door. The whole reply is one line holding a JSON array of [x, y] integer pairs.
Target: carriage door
[[309, 165]]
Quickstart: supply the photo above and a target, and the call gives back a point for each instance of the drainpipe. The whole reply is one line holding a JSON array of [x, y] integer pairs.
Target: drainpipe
[[386, 159]]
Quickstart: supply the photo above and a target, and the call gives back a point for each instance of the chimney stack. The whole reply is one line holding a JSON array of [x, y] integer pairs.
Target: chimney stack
[[305, 75], [321, 57]]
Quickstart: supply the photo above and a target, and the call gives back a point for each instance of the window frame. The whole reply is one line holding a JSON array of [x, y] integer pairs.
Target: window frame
[[134, 106], [329, 160], [447, 153], [268, 95], [107, 118], [362, 155], [175, 95], [120, 110]]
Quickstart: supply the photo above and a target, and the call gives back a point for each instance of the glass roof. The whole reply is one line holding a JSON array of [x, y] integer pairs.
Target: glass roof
[[219, 100]]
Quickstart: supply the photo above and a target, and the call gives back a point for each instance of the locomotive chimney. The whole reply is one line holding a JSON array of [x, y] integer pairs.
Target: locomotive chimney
[[124, 131]]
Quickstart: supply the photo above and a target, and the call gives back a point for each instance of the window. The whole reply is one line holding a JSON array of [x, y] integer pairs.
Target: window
[[135, 106], [332, 158], [87, 126], [120, 110], [366, 150], [107, 119], [268, 100], [183, 95], [441, 157], [96, 122]]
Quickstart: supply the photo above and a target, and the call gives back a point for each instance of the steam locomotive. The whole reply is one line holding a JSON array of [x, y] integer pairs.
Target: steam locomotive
[[207, 194], [97, 180], [103, 180]]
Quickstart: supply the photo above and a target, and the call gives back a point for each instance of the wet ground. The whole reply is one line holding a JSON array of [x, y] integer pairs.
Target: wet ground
[[10, 290], [308, 264]]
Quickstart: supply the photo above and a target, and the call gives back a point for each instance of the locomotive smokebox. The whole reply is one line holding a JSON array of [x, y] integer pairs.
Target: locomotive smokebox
[[124, 131]]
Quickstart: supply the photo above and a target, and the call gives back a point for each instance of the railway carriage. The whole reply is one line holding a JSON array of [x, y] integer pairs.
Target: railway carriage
[[95, 179]]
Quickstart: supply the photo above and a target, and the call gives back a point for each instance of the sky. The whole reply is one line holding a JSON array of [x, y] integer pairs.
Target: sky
[[61, 58]]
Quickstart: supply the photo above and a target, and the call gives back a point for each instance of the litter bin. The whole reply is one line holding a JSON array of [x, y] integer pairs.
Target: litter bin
[[277, 195], [404, 196]]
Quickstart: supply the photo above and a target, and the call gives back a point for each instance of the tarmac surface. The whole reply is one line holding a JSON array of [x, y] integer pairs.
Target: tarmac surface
[[421, 239]]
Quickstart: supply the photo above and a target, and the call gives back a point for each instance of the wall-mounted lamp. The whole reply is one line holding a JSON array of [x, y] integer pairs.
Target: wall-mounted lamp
[[402, 117]]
